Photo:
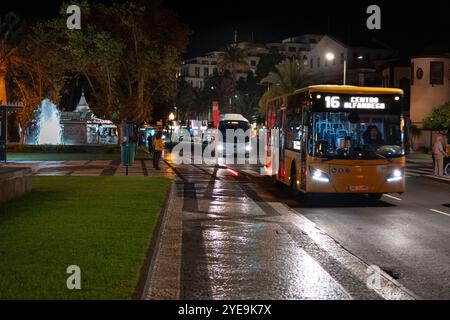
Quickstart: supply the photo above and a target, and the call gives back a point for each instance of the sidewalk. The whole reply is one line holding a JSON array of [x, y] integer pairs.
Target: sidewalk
[[419, 158], [143, 168], [424, 161]]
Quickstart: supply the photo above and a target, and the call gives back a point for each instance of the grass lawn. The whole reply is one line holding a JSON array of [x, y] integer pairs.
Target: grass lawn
[[102, 224]]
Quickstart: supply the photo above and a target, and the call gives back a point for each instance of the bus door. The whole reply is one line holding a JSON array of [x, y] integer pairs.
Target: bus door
[[304, 148], [281, 119]]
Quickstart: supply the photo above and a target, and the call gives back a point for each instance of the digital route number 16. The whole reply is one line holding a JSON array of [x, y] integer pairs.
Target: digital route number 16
[[332, 102]]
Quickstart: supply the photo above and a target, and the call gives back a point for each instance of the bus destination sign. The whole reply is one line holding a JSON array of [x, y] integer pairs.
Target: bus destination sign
[[329, 102], [366, 103]]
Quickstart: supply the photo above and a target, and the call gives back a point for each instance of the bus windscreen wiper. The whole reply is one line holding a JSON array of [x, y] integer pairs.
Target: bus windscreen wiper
[[383, 157]]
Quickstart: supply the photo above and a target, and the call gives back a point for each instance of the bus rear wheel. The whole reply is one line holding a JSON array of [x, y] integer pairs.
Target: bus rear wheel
[[293, 182], [375, 196]]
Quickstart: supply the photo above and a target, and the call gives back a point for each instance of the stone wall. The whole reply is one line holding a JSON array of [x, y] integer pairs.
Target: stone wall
[[14, 182]]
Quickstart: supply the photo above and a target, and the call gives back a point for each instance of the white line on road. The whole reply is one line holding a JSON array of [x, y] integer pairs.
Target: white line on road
[[390, 288], [395, 198], [441, 212]]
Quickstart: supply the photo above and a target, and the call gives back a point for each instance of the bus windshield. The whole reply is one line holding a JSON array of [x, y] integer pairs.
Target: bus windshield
[[356, 135], [233, 125]]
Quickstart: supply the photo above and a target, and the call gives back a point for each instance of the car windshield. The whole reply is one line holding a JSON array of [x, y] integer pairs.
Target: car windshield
[[353, 135]]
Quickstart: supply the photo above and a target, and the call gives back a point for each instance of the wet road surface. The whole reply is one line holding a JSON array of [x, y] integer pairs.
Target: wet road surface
[[241, 237]]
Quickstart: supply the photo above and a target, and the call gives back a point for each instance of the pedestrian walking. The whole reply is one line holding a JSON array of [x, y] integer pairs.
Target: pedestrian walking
[[150, 144], [438, 155], [158, 148]]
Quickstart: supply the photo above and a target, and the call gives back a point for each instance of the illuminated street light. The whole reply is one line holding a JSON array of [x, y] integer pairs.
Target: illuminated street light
[[330, 57], [171, 118]]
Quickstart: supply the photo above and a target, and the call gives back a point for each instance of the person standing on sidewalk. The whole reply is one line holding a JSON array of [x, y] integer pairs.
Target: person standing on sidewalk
[[150, 143], [158, 147], [438, 156]]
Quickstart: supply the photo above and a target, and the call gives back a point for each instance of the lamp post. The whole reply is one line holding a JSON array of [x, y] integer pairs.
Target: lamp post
[[235, 96], [330, 57], [171, 118]]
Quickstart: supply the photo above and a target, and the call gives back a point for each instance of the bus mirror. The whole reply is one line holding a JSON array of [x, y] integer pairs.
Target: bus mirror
[[353, 117]]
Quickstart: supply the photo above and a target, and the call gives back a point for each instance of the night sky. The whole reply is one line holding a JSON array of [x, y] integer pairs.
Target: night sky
[[406, 25]]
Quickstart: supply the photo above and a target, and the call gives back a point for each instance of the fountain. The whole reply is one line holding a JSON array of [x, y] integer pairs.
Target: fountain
[[48, 124]]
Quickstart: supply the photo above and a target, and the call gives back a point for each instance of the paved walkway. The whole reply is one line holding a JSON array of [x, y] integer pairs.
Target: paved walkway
[[94, 168], [223, 239]]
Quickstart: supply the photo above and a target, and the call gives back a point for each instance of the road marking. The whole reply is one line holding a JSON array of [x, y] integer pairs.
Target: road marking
[[395, 198], [441, 212], [390, 288]]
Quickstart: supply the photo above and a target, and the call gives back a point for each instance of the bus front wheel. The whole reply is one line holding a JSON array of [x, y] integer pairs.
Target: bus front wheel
[[375, 196]]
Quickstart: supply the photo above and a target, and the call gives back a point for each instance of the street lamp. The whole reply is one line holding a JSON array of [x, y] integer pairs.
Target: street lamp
[[330, 57], [229, 103], [171, 118]]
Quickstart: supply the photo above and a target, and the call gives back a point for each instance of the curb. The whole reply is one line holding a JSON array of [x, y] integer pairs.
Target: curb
[[443, 180], [152, 251]]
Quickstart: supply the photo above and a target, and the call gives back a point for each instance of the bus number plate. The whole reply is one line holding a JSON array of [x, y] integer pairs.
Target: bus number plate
[[359, 188]]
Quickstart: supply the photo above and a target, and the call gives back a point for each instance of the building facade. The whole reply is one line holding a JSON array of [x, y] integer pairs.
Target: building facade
[[329, 57], [430, 85], [196, 70]]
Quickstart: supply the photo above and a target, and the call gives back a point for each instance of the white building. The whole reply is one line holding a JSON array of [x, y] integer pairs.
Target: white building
[[196, 70], [312, 49], [328, 58], [296, 47]]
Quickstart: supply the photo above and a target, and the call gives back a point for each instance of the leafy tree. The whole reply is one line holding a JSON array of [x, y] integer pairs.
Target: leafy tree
[[249, 91], [128, 53], [439, 119], [219, 87], [289, 75], [43, 73]]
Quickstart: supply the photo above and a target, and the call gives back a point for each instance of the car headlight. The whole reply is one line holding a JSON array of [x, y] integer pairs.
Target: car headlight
[[248, 148], [219, 147], [395, 175], [319, 175]]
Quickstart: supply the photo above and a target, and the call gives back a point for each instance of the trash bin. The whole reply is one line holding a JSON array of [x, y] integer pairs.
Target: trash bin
[[127, 153]]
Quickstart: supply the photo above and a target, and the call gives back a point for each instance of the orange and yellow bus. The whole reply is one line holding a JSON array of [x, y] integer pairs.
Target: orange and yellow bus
[[338, 139]]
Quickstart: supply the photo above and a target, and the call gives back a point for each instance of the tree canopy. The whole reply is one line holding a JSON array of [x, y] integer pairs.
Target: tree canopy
[[127, 54], [439, 119], [289, 75]]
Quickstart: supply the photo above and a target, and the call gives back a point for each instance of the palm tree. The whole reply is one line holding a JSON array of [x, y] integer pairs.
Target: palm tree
[[234, 60], [289, 75]]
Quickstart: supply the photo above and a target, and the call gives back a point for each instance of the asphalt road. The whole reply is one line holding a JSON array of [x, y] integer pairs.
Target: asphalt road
[[244, 237]]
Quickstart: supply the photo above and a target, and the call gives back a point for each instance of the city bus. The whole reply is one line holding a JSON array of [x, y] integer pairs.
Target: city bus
[[233, 121], [337, 139]]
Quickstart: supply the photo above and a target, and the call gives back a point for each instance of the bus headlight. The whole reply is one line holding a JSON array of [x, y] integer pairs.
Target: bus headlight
[[396, 175], [319, 175]]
